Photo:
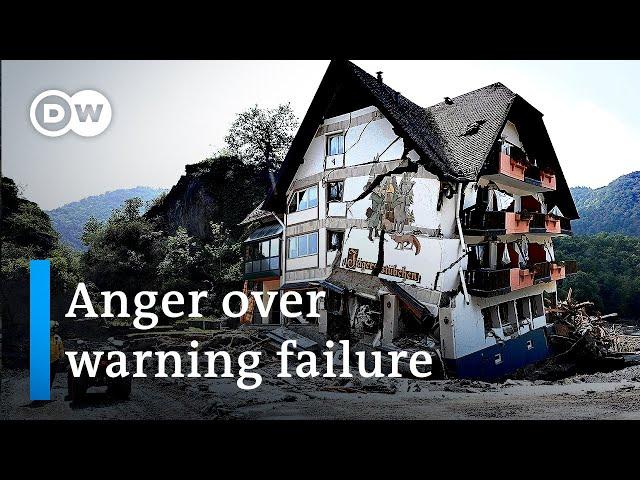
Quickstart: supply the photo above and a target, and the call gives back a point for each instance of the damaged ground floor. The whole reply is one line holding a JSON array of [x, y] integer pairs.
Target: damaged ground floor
[[614, 395], [483, 339]]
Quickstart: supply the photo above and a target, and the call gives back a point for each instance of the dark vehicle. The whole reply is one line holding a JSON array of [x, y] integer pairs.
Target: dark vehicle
[[119, 387]]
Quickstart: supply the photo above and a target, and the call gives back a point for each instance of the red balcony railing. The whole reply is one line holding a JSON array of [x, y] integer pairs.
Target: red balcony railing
[[560, 270], [521, 278], [548, 179], [511, 167], [486, 282], [476, 222], [513, 163]]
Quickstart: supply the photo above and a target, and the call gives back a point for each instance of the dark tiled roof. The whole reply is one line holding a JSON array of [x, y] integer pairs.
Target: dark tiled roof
[[256, 214], [469, 126], [457, 136], [453, 138]]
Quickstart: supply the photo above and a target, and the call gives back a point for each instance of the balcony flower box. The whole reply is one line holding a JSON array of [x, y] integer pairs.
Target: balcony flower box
[[521, 278], [557, 271], [517, 223], [511, 167], [552, 224]]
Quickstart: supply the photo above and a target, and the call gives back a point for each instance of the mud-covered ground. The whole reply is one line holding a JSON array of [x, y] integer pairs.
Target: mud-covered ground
[[603, 396], [614, 395]]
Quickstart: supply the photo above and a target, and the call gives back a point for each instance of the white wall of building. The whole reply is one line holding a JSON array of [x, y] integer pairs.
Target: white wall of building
[[463, 332], [510, 134]]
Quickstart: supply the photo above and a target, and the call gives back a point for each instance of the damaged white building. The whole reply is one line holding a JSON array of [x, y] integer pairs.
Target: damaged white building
[[431, 221]]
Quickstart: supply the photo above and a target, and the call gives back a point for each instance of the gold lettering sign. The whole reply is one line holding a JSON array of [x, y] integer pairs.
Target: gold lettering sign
[[352, 262]]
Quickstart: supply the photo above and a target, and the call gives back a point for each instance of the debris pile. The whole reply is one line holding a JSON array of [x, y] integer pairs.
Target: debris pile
[[586, 336], [582, 340]]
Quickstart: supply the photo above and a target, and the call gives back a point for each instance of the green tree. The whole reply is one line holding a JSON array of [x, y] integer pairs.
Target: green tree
[[181, 263], [122, 252], [263, 136], [609, 271]]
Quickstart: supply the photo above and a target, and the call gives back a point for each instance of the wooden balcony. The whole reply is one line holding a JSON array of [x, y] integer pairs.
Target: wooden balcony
[[514, 170], [560, 270], [485, 282], [550, 224], [565, 226], [511, 167], [548, 179], [541, 272], [477, 223], [538, 223]]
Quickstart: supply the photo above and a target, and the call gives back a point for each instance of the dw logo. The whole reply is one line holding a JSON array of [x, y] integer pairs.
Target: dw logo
[[53, 113]]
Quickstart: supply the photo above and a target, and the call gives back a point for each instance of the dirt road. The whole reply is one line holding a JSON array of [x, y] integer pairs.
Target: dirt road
[[603, 396]]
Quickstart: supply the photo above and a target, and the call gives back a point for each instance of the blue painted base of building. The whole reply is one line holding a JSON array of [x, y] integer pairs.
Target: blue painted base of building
[[502, 359]]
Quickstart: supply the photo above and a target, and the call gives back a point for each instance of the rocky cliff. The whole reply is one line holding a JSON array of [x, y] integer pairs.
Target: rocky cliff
[[221, 190]]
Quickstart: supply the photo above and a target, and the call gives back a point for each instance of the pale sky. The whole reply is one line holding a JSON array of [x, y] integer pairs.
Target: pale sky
[[169, 114]]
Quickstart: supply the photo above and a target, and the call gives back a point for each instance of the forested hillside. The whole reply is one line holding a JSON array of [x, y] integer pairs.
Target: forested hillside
[[614, 208], [69, 219], [609, 271]]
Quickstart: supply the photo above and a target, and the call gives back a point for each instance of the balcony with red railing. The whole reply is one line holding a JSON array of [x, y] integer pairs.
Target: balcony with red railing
[[475, 222], [486, 282], [561, 270], [521, 278], [514, 169]]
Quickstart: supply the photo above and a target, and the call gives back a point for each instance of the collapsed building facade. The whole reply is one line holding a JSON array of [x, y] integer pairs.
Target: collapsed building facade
[[430, 221]]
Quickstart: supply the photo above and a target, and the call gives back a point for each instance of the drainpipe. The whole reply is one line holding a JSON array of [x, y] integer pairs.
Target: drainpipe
[[463, 245], [283, 253]]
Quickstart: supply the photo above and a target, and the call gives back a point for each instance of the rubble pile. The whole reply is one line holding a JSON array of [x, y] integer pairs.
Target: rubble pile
[[582, 341], [586, 336]]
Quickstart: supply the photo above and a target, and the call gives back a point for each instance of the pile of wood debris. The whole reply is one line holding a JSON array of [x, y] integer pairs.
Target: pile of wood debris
[[582, 334], [582, 340]]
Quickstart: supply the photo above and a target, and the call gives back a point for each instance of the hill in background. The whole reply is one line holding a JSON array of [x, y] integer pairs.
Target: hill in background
[[69, 219], [613, 209]]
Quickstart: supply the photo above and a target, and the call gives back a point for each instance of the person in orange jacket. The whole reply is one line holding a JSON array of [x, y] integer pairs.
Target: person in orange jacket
[[56, 352]]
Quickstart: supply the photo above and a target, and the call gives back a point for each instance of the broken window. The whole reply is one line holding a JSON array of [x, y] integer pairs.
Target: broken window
[[522, 308], [335, 191], [334, 240], [304, 199], [537, 309], [508, 318], [491, 320], [303, 245], [335, 144]]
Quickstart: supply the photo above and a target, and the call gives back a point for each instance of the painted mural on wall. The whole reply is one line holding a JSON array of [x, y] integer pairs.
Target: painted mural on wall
[[391, 210]]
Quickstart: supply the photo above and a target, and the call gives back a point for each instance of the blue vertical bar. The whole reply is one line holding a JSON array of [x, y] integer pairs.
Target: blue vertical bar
[[39, 345]]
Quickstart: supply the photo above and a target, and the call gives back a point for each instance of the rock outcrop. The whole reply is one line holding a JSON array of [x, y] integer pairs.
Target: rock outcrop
[[221, 190]]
